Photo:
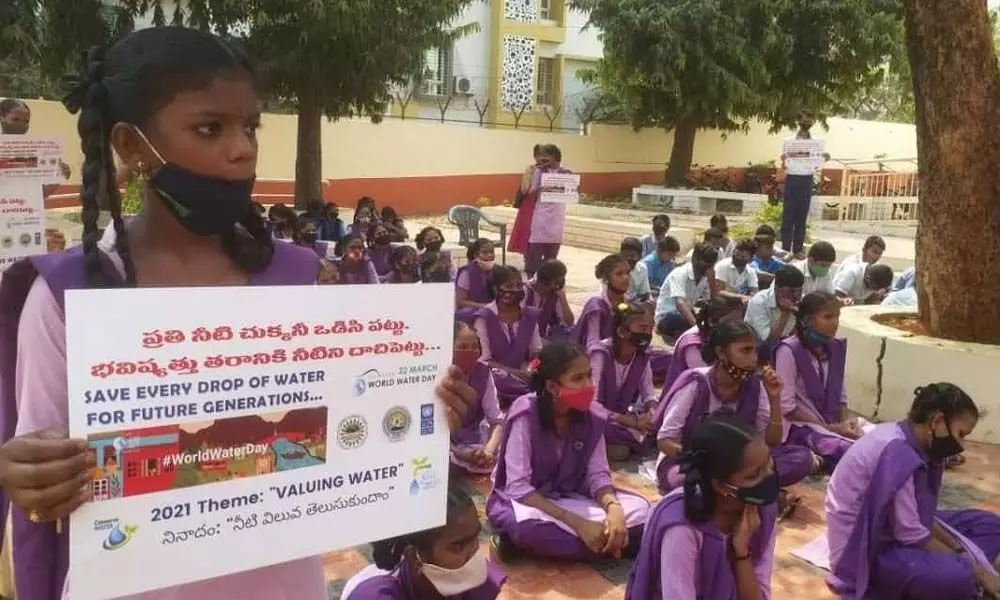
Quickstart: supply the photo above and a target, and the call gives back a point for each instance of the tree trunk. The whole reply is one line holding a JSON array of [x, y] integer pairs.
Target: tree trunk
[[682, 153], [956, 87], [309, 154]]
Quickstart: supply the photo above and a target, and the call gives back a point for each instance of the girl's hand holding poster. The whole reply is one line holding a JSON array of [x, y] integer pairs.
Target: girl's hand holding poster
[[228, 438]]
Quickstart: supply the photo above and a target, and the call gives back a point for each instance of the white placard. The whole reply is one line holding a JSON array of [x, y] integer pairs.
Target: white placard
[[31, 157], [569, 183], [218, 425], [22, 220], [804, 156]]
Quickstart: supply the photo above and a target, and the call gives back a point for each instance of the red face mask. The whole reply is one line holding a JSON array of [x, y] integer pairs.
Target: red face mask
[[577, 399], [465, 360]]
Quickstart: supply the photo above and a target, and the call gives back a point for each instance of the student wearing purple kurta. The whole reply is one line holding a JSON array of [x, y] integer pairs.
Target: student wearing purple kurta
[[355, 266], [547, 293], [552, 492], [446, 563], [687, 349], [595, 319], [474, 282], [306, 235], [549, 218], [714, 538], [429, 244], [811, 364], [196, 228], [624, 380], [380, 248], [887, 538], [509, 335], [405, 268], [730, 383], [474, 445]]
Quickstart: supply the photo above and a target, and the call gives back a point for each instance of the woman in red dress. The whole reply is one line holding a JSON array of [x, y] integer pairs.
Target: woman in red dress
[[525, 204]]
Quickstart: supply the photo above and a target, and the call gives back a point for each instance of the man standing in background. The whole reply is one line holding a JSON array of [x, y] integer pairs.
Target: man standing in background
[[802, 155]]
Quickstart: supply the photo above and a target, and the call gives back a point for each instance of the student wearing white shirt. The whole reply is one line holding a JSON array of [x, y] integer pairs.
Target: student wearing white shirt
[[714, 238], [735, 277], [870, 253], [863, 283], [719, 221], [650, 241], [686, 286], [771, 312], [798, 188], [816, 268], [638, 285]]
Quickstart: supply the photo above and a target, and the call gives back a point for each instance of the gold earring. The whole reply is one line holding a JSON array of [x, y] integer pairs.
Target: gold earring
[[140, 168]]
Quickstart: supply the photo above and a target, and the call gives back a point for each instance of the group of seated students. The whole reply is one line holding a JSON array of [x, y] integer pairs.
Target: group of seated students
[[731, 429]]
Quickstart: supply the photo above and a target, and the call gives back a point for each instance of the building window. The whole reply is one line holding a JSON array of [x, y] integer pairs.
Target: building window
[[131, 469], [438, 72], [100, 489], [545, 10], [546, 93]]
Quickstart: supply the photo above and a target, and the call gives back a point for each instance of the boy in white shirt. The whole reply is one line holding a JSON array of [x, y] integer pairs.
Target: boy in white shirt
[[638, 287], [870, 253], [771, 312], [816, 268], [685, 287], [863, 283], [734, 275]]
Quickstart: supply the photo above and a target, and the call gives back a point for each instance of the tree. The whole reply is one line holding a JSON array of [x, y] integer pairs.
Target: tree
[[687, 65], [333, 58], [956, 85]]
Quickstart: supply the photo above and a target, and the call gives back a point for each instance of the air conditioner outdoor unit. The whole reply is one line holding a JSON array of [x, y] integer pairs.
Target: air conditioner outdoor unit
[[463, 86]]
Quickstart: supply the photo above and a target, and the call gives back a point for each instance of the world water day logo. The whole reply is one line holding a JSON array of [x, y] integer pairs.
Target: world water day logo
[[119, 536], [424, 477]]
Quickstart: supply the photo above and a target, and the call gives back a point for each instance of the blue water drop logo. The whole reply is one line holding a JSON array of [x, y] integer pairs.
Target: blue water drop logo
[[119, 537], [414, 488]]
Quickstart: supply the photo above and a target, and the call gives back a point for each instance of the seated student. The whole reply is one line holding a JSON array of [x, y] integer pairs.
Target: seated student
[[363, 218], [729, 383], [638, 285], [594, 323], [765, 229], [816, 268], [687, 350], [712, 237], [552, 492], [719, 221], [379, 247], [395, 225], [547, 293], [474, 445], [764, 262], [473, 286], [660, 263], [904, 298], [331, 227], [306, 235], [771, 312], [734, 277], [445, 563], [281, 222], [870, 253], [329, 272], [650, 241], [886, 536], [624, 380], [433, 268], [685, 287], [509, 334], [862, 283], [405, 268], [430, 241], [355, 267], [811, 365], [906, 279], [714, 538]]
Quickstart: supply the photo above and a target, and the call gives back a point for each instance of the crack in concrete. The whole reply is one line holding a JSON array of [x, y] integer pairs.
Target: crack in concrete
[[879, 369]]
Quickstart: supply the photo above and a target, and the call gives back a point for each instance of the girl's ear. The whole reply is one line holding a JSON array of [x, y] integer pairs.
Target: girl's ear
[[720, 488], [552, 388]]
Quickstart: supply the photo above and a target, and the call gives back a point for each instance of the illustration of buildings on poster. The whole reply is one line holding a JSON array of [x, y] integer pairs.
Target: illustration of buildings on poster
[[155, 459]]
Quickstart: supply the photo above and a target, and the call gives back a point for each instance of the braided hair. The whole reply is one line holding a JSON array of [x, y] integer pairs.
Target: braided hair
[[387, 554], [714, 452], [711, 313], [130, 83], [553, 361], [945, 398], [811, 304]]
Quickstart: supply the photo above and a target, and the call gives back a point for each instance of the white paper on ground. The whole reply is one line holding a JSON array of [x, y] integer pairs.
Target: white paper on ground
[[816, 552]]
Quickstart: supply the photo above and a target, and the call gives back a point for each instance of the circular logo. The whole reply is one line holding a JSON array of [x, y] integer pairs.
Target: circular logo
[[578, 445], [352, 432], [396, 423], [25, 239], [7, 241], [119, 536]]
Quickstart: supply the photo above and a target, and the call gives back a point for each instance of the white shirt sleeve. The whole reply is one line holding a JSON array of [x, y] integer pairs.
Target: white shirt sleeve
[[675, 282], [758, 316]]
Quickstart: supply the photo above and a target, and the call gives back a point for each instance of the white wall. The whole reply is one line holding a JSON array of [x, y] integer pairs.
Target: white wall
[[581, 40]]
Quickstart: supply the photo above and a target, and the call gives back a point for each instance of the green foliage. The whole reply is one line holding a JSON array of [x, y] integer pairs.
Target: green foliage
[[769, 214], [722, 64], [132, 200]]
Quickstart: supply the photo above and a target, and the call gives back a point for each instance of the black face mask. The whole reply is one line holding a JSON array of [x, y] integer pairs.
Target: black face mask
[[309, 238], [409, 268], [659, 230], [382, 239], [13, 128], [202, 205], [434, 246], [512, 297], [944, 447], [640, 340], [763, 494], [740, 263]]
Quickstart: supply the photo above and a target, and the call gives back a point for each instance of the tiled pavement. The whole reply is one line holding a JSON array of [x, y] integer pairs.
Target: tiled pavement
[[976, 484]]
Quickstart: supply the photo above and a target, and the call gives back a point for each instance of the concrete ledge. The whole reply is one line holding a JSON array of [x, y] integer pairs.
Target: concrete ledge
[[885, 365]]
